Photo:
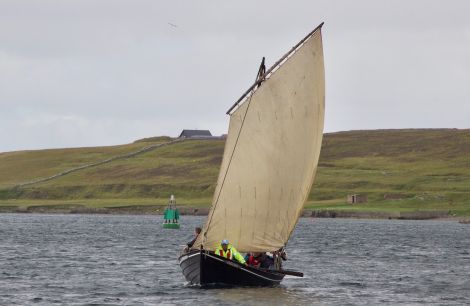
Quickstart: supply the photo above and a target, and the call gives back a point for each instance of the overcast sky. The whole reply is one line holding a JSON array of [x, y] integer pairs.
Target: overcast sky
[[87, 73]]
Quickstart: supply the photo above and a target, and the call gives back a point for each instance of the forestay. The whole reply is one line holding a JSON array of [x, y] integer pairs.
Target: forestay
[[271, 156]]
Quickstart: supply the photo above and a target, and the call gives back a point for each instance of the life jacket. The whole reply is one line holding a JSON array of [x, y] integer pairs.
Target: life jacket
[[252, 261], [227, 254], [231, 253]]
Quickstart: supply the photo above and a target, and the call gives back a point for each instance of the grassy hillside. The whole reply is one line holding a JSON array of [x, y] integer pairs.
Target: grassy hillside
[[425, 169]]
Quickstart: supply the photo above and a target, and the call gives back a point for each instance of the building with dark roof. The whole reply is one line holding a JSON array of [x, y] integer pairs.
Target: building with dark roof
[[195, 134]]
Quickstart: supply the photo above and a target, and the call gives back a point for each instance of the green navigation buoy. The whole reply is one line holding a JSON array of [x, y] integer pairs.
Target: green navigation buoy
[[171, 215]]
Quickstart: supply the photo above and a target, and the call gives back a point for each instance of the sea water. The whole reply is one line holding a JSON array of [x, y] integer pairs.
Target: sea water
[[132, 260]]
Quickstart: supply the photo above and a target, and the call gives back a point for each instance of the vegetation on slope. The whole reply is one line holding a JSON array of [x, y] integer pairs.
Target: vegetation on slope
[[421, 169]]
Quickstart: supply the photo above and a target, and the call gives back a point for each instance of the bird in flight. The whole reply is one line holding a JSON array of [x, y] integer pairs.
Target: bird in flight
[[172, 24]]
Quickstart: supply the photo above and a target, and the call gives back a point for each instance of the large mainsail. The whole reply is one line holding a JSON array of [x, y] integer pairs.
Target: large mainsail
[[271, 155]]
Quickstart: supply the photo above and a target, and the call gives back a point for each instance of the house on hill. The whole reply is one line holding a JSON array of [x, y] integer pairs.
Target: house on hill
[[195, 134]]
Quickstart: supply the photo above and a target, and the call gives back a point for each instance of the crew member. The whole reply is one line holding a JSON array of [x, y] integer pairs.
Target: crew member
[[279, 256], [266, 261], [197, 231], [252, 259], [228, 251], [189, 245]]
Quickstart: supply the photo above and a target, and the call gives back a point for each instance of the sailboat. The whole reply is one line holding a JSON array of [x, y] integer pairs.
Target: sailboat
[[269, 164]]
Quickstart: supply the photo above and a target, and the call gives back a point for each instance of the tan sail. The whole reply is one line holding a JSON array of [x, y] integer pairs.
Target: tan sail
[[271, 156]]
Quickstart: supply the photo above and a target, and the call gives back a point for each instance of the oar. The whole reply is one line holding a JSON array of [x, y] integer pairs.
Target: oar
[[286, 272], [290, 272]]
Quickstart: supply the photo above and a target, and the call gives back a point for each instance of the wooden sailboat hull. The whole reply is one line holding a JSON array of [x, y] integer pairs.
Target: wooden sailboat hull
[[203, 268]]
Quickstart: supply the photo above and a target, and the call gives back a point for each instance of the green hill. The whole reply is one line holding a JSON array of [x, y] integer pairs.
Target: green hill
[[399, 171]]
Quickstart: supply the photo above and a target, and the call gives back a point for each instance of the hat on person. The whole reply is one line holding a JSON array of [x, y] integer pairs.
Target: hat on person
[[225, 241]]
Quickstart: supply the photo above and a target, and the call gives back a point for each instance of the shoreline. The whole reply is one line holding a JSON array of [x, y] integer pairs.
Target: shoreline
[[192, 211]]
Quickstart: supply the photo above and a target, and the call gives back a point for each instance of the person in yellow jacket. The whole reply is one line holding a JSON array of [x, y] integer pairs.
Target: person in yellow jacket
[[228, 251]]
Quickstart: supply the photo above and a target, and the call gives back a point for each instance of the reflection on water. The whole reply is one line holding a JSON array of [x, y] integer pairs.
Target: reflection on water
[[266, 296], [131, 260]]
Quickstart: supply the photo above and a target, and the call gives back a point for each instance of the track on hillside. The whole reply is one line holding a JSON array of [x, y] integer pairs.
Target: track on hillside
[[95, 164]]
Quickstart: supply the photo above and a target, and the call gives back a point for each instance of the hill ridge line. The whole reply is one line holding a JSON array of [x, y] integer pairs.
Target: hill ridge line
[[99, 163]]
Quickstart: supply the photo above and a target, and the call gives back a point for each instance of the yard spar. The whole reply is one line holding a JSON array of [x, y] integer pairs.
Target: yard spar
[[269, 164]]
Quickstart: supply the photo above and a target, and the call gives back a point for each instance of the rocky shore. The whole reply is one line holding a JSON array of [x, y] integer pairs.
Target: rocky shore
[[193, 211]]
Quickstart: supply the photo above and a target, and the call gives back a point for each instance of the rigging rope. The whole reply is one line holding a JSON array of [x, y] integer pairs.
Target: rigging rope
[[259, 76]]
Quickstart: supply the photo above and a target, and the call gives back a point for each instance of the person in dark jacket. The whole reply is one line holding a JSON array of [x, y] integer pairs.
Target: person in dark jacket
[[267, 262], [197, 231]]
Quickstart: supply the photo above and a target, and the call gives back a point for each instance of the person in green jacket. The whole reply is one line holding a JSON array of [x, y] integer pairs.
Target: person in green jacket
[[228, 251]]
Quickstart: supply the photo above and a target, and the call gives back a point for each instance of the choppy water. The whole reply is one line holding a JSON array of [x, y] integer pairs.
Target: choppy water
[[131, 260]]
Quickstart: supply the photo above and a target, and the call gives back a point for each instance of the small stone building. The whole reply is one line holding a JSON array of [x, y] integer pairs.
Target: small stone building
[[356, 198]]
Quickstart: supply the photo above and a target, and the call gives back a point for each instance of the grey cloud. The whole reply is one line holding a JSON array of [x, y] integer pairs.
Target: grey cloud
[[81, 73]]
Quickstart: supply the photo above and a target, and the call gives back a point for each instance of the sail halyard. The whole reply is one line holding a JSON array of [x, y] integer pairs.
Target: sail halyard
[[271, 154]]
